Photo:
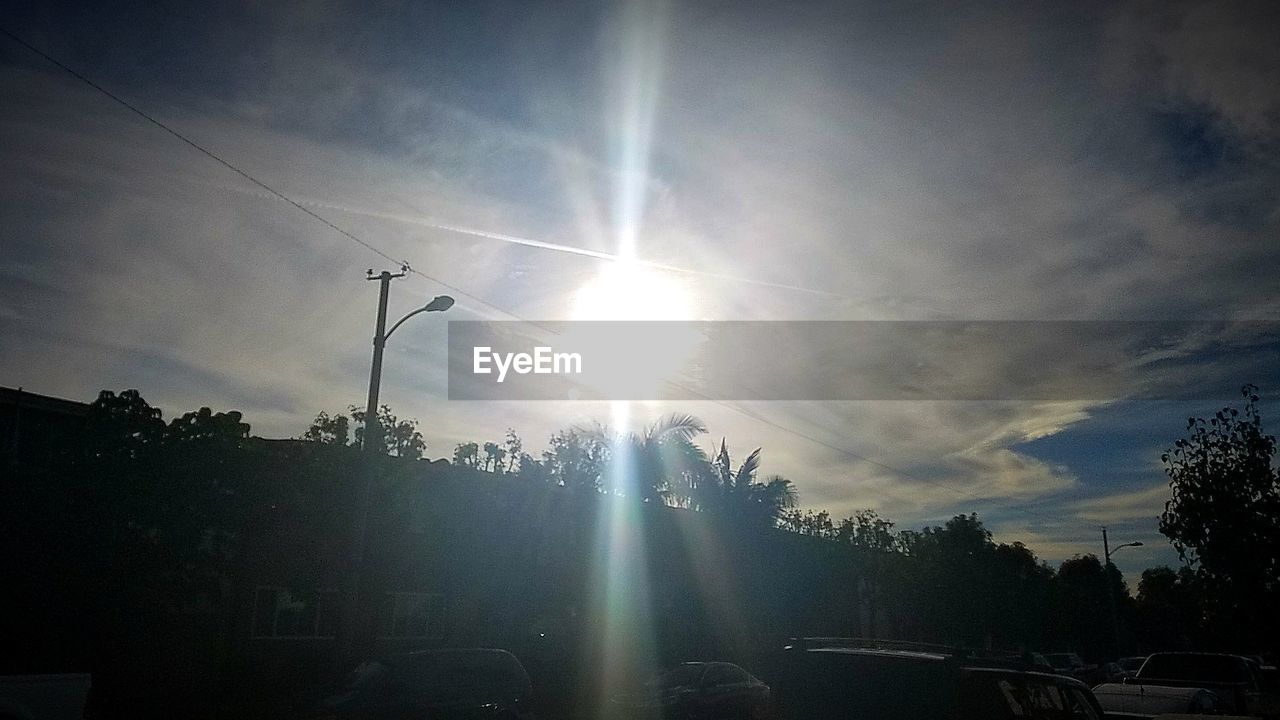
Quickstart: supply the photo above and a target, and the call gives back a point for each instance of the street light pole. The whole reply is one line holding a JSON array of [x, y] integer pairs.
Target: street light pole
[[372, 446], [372, 428], [1107, 569]]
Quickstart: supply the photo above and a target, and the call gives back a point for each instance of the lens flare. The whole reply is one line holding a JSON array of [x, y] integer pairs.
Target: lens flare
[[628, 291]]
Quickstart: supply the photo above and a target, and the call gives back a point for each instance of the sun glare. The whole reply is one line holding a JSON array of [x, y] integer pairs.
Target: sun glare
[[628, 291]]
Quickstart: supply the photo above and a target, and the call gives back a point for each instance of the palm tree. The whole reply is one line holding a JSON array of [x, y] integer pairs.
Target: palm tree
[[658, 463], [738, 493]]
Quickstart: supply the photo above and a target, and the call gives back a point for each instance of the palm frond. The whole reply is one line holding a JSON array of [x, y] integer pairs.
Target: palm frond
[[682, 425], [747, 471], [780, 493]]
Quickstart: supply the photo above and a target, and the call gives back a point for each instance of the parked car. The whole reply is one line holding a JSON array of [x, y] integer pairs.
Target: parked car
[[1129, 665], [1069, 664], [44, 697], [1138, 702], [1037, 662], [701, 691], [1107, 672], [475, 684], [819, 682], [1231, 677]]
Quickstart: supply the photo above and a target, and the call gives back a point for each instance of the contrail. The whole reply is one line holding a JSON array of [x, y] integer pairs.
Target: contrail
[[559, 247]]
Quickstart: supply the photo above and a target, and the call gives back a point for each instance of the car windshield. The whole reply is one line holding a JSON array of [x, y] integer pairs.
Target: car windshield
[[1204, 668], [680, 676], [991, 695], [1062, 660], [1131, 664]]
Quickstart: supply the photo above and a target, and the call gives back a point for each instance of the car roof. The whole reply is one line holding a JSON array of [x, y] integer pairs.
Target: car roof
[[445, 652], [1047, 677], [1148, 690], [1199, 654], [911, 654]]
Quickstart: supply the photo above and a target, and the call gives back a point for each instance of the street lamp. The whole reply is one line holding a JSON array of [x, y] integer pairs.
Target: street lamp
[[1111, 595], [372, 428], [371, 445], [1109, 553]]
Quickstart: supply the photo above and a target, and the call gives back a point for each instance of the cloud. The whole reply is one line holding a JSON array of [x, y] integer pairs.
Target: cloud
[[927, 164], [1122, 507]]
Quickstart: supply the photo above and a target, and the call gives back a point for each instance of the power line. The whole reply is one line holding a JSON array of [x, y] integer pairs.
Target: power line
[[232, 167], [402, 263]]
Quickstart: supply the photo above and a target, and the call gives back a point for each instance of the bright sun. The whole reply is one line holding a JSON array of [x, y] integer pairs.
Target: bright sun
[[627, 291]]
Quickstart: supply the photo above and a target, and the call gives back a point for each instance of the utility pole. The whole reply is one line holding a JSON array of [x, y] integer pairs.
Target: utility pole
[[1111, 595], [1111, 588], [372, 428], [357, 627]]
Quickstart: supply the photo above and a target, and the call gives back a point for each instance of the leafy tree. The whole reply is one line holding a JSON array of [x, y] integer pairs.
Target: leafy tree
[[866, 530], [467, 455], [397, 437], [531, 469], [814, 523], [1082, 606], [738, 493], [951, 568], [1224, 516], [327, 430], [493, 457], [121, 427], [656, 464], [1169, 608], [575, 460], [206, 426], [1020, 593], [513, 446]]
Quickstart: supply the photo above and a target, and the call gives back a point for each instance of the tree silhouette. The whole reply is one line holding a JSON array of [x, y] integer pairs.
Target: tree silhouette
[[1169, 608], [574, 460], [737, 492], [658, 463], [494, 454], [467, 455], [513, 446], [327, 430], [1224, 516], [398, 437]]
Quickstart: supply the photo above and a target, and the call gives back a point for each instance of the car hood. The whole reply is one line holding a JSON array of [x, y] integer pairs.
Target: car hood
[[656, 696]]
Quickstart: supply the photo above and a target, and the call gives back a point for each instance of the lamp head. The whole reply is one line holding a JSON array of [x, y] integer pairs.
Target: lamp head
[[439, 304]]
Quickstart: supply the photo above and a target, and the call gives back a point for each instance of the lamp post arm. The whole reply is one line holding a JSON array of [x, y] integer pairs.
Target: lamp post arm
[[401, 322]]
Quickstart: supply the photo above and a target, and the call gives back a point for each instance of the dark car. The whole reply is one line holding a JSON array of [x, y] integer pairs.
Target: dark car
[[819, 683], [1067, 664], [1138, 702], [462, 684], [699, 691], [1231, 677], [1129, 665]]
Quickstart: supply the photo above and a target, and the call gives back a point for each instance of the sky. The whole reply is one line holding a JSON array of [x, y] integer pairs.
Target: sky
[[792, 161]]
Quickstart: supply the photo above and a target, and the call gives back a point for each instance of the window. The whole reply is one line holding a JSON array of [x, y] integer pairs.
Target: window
[[723, 675], [1081, 708], [412, 615], [283, 613]]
